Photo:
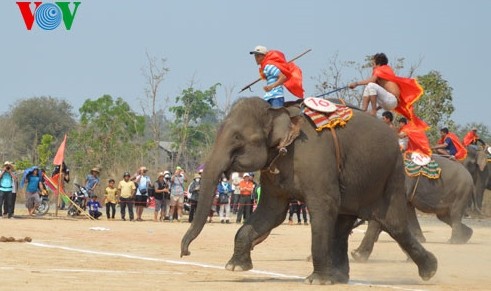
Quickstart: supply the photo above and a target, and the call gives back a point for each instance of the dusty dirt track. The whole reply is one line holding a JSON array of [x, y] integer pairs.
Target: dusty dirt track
[[65, 254]]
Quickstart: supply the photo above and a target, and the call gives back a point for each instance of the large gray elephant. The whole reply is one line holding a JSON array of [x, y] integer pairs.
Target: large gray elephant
[[447, 197], [361, 177], [477, 164]]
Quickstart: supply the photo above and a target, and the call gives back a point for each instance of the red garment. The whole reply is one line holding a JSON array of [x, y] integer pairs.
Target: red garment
[[461, 150], [470, 138], [417, 139], [292, 73], [410, 91]]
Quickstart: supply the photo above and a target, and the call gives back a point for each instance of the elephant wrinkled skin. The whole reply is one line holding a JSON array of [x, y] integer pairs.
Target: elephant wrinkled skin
[[369, 185]]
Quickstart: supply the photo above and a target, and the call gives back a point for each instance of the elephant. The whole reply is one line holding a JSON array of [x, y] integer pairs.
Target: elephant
[[343, 174], [447, 197], [476, 163]]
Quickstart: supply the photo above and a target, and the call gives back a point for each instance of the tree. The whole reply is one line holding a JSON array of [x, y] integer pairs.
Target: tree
[[193, 129], [29, 119], [154, 74], [107, 135], [435, 106], [45, 150]]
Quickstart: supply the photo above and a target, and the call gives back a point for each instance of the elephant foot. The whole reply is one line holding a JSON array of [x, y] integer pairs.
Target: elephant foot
[[462, 237], [325, 279], [427, 269], [359, 256], [237, 265]]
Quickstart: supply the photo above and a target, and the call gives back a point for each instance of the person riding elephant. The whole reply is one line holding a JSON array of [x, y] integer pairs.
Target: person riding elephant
[[347, 183], [447, 197]]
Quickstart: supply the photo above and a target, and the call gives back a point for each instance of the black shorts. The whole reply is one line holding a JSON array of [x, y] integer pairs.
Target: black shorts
[[141, 200]]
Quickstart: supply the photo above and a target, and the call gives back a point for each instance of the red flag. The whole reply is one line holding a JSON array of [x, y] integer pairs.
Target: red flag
[[60, 153], [292, 73]]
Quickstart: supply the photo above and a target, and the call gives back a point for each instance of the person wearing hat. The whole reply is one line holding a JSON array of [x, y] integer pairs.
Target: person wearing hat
[[161, 189], [177, 193], [471, 138], [126, 193], [92, 181], [246, 187], [8, 182], [277, 72], [193, 190]]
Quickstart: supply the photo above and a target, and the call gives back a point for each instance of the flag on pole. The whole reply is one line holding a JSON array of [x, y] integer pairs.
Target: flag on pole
[[60, 153]]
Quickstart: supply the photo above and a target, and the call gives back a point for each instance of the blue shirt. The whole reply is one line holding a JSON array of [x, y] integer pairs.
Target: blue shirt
[[452, 150], [91, 181], [33, 184], [272, 73], [93, 205], [6, 182]]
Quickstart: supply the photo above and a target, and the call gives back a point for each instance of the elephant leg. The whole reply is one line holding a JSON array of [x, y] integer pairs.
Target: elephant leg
[[414, 224], [461, 233], [269, 214], [323, 217], [344, 225], [396, 225], [363, 252]]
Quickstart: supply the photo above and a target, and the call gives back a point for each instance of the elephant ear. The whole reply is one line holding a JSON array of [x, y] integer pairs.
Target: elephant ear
[[481, 160], [284, 129]]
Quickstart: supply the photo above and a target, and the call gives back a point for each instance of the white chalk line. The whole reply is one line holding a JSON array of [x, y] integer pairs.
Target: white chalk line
[[202, 265], [58, 270]]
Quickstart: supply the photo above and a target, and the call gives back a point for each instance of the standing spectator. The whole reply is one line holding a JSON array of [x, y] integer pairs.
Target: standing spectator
[[254, 194], [246, 187], [126, 191], [110, 199], [194, 195], [144, 183], [92, 181], [7, 187], [224, 190], [34, 184], [236, 179], [160, 191], [294, 209], [65, 178], [303, 210], [167, 176], [94, 207], [177, 193]]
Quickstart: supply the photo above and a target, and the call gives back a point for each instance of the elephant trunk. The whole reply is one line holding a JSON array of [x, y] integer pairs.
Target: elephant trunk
[[209, 180]]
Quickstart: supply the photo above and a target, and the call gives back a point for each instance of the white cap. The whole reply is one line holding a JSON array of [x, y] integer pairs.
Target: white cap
[[246, 175], [259, 50]]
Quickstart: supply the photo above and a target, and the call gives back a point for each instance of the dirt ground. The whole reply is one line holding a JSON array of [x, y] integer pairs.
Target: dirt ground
[[78, 254]]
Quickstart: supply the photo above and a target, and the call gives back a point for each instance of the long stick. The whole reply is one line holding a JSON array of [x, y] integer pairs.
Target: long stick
[[333, 91], [259, 79]]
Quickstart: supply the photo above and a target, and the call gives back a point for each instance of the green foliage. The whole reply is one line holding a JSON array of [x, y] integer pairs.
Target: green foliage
[[44, 150], [435, 106], [30, 119], [107, 135], [23, 164], [193, 129]]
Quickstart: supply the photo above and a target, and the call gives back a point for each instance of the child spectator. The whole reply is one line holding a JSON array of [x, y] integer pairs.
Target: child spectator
[[94, 206], [110, 199]]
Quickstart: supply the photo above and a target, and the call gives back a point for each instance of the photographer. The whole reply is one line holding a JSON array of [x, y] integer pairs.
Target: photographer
[[167, 176], [7, 185]]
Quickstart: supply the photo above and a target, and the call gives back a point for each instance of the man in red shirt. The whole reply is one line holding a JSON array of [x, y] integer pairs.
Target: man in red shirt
[[246, 187]]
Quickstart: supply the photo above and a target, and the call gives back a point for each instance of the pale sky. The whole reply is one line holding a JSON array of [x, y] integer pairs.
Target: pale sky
[[209, 41]]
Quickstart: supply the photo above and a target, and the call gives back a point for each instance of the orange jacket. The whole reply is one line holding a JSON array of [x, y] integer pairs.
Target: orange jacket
[[246, 187]]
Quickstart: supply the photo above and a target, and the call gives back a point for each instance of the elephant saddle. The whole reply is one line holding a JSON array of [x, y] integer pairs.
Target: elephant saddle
[[336, 115], [413, 167]]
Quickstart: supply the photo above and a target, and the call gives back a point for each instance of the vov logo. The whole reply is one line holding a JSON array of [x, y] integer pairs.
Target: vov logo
[[48, 16]]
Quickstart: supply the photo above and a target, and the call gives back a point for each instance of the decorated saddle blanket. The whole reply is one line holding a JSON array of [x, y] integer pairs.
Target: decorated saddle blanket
[[414, 167], [326, 114]]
